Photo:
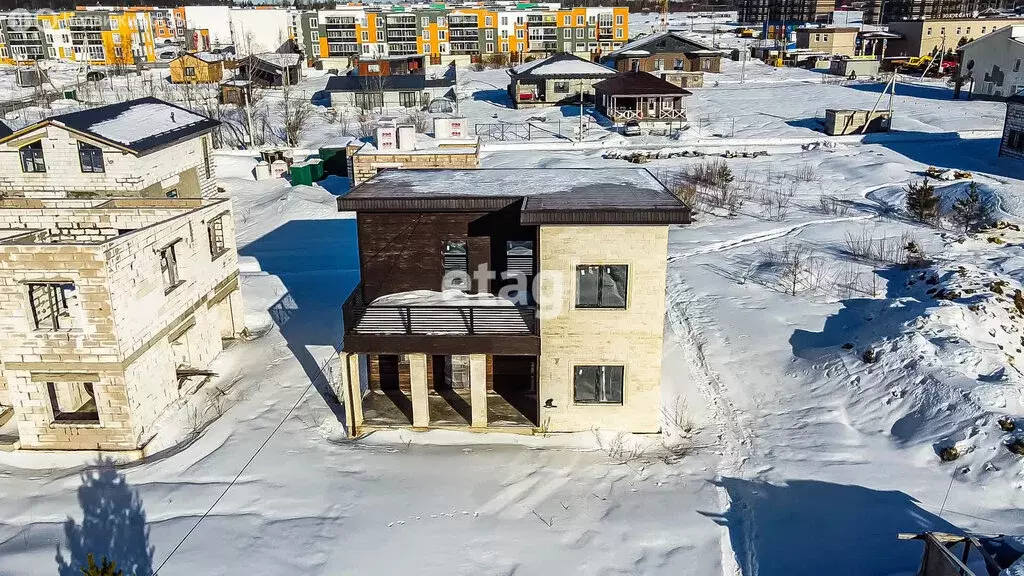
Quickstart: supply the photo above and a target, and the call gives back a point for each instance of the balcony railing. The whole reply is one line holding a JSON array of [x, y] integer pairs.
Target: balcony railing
[[666, 114], [442, 320]]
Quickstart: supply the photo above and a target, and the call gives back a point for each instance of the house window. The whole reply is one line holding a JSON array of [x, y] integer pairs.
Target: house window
[[488, 21], [442, 35], [619, 20], [580, 47], [567, 21], [426, 34], [601, 286], [597, 384], [442, 21], [680, 64], [489, 34], [455, 260], [189, 70], [504, 20], [659, 64], [90, 157], [579, 20], [313, 23], [929, 33], [983, 29], [561, 87], [824, 37], [32, 157], [618, 33], [169, 267], [316, 50], [580, 32], [369, 101], [172, 193], [314, 36], [51, 304], [73, 402], [817, 37], [215, 229], [566, 33], [424, 20], [366, 36], [407, 99], [705, 64], [957, 30], [591, 33], [968, 31], [206, 158], [489, 47], [519, 257], [1016, 65], [380, 35], [942, 31]]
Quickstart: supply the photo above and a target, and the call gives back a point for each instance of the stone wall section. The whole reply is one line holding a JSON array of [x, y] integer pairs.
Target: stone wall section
[[631, 338]]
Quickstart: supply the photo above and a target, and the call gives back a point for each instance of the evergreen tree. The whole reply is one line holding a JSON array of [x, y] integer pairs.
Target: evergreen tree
[[971, 212], [922, 203], [106, 568]]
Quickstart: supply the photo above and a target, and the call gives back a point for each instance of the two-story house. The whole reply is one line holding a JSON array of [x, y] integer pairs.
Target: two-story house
[[511, 299], [139, 148], [665, 51], [110, 311]]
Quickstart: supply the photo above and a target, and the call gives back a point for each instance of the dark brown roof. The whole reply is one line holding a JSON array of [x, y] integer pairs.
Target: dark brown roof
[[638, 83], [548, 195]]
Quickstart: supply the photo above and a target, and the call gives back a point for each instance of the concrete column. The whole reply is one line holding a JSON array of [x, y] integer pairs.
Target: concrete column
[[356, 387], [418, 381], [353, 402], [478, 389]]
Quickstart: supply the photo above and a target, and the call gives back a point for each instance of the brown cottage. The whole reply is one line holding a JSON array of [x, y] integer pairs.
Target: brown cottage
[[640, 96], [665, 51], [565, 336]]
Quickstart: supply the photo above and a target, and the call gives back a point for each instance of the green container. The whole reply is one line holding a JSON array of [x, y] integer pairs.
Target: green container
[[301, 174], [316, 169], [70, 94]]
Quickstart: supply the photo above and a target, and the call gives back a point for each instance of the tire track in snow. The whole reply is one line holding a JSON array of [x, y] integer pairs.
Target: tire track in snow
[[734, 433], [765, 236]]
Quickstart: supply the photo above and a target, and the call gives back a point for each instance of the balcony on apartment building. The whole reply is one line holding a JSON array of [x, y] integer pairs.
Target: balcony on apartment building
[[341, 35], [403, 22], [342, 22], [401, 35], [342, 49]]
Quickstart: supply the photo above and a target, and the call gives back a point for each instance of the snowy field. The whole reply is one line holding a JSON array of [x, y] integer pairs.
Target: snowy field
[[806, 458]]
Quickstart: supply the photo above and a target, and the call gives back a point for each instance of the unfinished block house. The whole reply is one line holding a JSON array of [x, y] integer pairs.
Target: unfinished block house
[[140, 148], [110, 310], [561, 329]]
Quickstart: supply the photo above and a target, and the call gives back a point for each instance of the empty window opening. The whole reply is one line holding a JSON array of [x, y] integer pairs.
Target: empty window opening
[[601, 286], [169, 267], [73, 402], [215, 229], [52, 305], [597, 384], [519, 255]]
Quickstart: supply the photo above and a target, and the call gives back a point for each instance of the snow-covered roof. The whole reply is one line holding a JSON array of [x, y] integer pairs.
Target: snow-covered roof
[[140, 125], [560, 65], [640, 43], [548, 195], [209, 56], [279, 60]]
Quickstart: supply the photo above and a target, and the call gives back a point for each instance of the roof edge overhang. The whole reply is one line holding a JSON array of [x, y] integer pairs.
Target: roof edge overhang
[[654, 217]]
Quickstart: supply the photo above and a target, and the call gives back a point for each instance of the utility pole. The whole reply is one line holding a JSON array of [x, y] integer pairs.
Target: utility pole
[[743, 61], [581, 112]]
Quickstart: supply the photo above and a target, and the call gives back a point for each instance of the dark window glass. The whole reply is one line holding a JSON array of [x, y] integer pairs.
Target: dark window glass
[[455, 256], [597, 384], [32, 157], [519, 256], [90, 157], [601, 286]]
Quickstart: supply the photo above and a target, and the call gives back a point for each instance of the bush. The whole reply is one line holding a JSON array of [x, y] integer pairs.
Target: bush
[[949, 453], [1006, 424]]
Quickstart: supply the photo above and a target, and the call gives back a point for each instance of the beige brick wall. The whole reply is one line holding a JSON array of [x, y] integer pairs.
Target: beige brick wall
[[121, 338], [125, 174], [631, 338], [364, 166], [140, 306]]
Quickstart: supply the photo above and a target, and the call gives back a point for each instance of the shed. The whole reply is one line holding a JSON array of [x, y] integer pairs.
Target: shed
[[197, 68], [271, 69]]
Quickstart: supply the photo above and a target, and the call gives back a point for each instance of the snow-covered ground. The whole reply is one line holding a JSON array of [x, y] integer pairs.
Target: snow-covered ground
[[807, 458]]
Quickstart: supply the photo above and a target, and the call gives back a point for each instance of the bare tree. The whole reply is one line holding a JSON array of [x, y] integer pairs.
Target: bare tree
[[295, 114]]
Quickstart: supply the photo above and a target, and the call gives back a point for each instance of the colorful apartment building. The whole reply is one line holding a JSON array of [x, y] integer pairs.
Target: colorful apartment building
[[442, 31]]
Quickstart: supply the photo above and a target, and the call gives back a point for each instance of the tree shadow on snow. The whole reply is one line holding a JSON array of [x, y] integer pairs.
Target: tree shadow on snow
[[318, 263], [812, 527], [113, 525]]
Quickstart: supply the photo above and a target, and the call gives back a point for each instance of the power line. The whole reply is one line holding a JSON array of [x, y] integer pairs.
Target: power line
[[240, 472]]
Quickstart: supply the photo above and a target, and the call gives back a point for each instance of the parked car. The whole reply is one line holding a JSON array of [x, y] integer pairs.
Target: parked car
[[631, 128]]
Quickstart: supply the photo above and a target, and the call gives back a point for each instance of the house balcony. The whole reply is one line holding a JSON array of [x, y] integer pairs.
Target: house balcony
[[475, 324]]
